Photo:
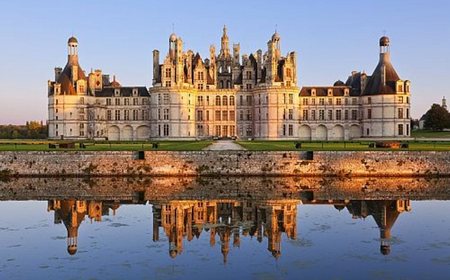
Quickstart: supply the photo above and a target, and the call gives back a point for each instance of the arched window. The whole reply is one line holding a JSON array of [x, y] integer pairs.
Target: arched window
[[232, 100]]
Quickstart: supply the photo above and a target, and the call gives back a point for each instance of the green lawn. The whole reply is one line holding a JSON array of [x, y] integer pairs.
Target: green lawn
[[430, 134], [42, 145], [337, 146]]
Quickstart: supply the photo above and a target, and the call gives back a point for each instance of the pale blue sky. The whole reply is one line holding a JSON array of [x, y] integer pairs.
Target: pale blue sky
[[332, 38]]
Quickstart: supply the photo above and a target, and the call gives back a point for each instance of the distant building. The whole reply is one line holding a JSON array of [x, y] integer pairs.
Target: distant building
[[253, 96]]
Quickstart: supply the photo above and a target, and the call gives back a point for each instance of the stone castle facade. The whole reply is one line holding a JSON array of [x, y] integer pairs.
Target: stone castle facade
[[227, 95]]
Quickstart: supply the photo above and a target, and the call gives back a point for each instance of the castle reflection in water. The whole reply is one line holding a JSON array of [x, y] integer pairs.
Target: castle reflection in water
[[227, 220]]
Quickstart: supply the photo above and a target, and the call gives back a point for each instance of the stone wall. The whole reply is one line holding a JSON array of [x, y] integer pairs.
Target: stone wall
[[228, 163], [141, 189]]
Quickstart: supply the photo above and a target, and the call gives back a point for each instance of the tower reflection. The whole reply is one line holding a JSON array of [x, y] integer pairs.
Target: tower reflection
[[226, 220], [73, 212]]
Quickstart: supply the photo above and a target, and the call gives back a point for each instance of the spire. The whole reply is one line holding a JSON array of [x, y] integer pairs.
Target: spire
[[224, 49]]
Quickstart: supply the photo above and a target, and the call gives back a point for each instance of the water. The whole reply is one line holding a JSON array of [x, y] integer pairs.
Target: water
[[221, 228]]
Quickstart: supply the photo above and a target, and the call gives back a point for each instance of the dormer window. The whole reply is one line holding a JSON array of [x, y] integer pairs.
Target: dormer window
[[116, 92], [135, 92], [313, 92], [346, 92], [330, 92]]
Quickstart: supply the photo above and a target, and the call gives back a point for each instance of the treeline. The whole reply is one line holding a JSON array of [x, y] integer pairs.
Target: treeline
[[436, 118], [31, 130]]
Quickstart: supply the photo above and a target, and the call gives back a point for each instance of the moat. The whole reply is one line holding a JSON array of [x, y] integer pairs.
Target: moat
[[203, 228]]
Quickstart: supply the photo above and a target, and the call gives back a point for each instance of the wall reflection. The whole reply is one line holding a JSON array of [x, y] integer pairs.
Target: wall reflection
[[226, 221]]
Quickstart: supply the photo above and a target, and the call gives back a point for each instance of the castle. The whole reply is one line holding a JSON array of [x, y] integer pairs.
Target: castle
[[227, 95]]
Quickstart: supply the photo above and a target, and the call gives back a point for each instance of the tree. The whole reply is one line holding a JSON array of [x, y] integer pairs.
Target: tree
[[437, 118]]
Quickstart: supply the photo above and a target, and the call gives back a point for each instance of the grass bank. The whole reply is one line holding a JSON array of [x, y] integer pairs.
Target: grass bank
[[338, 146], [43, 145]]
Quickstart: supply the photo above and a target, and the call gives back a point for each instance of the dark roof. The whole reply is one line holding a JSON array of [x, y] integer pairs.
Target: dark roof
[[375, 83], [354, 81], [65, 79], [323, 91], [72, 40], [339, 83], [124, 91], [384, 41]]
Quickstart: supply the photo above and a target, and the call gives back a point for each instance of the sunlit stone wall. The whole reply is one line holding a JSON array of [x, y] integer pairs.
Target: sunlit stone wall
[[225, 163]]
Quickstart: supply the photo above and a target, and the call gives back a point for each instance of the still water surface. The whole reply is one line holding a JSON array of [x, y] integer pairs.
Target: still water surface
[[274, 235]]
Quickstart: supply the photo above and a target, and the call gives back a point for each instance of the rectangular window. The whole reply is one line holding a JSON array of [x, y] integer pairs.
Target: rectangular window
[[291, 114], [305, 101], [126, 115], [249, 100], [338, 115], [400, 99], [338, 101], [168, 72], [291, 99], [231, 100], [135, 115], [224, 115], [400, 113], [127, 101], [166, 114], [400, 129], [117, 102], [217, 116], [354, 115], [135, 101], [117, 115], [321, 115], [241, 115], [313, 115], [199, 115], [321, 101], [330, 115], [305, 115], [108, 101], [369, 113], [108, 115], [232, 116], [346, 114], [207, 115], [166, 130], [354, 101], [330, 101], [249, 75], [291, 130], [166, 98], [369, 100], [249, 115], [217, 100]]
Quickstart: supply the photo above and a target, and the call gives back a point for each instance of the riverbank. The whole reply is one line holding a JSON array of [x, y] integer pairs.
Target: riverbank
[[225, 163]]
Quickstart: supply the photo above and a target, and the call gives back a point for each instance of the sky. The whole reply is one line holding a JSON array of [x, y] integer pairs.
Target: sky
[[331, 38]]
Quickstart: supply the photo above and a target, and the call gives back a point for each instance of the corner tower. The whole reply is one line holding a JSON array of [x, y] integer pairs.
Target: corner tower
[[385, 99]]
